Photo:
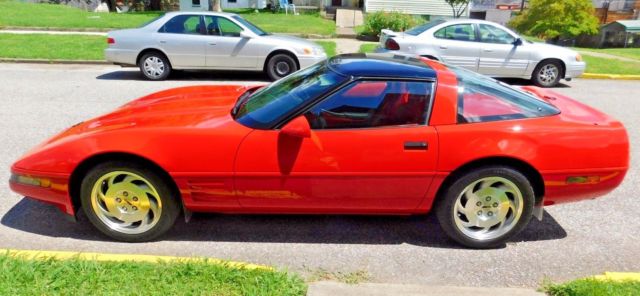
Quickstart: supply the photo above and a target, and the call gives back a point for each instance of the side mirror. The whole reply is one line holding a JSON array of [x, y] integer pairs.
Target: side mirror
[[517, 42], [244, 34], [298, 127]]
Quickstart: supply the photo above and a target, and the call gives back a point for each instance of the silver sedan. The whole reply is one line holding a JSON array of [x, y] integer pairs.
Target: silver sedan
[[208, 40], [487, 48]]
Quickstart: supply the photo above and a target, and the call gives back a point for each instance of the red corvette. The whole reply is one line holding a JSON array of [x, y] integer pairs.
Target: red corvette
[[352, 135]]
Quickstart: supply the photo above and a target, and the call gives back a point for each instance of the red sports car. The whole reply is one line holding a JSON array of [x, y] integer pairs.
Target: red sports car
[[356, 134]]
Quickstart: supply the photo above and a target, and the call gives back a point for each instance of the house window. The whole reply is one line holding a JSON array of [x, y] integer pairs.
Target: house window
[[195, 3], [232, 1]]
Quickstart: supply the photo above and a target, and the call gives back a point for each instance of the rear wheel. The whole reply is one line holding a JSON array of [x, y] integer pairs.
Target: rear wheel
[[128, 201], [485, 207], [280, 65], [155, 66]]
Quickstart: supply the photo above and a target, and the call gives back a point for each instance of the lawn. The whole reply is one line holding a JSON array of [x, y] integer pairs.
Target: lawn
[[591, 287], [329, 47], [632, 53], [367, 47], [610, 66], [52, 47], [79, 277], [20, 14]]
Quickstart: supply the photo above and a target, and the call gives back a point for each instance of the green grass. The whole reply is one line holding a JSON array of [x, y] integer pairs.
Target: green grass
[[52, 47], [20, 14], [367, 47], [329, 47], [79, 277], [632, 53], [591, 287], [610, 66]]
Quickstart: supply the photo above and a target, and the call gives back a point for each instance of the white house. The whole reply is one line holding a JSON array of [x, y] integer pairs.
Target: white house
[[203, 5], [433, 8]]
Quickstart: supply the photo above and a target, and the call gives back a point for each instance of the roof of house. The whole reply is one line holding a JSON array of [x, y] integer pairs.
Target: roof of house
[[381, 65], [629, 25]]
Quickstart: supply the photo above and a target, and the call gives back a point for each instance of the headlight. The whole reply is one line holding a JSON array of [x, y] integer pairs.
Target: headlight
[[29, 180], [313, 50], [578, 58]]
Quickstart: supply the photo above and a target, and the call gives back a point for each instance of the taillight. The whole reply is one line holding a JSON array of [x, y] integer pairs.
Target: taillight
[[111, 40], [391, 44]]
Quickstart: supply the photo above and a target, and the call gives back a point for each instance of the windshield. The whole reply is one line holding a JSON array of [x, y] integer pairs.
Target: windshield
[[415, 31], [250, 26], [269, 105]]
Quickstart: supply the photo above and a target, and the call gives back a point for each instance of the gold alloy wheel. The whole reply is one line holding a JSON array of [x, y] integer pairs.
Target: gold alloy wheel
[[126, 202]]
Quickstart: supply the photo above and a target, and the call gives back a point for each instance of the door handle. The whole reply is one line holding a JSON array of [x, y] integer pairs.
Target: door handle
[[487, 50], [162, 41], [212, 43], [416, 145], [443, 46]]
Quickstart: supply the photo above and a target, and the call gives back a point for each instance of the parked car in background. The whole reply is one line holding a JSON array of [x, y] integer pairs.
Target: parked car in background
[[208, 40], [487, 48], [353, 135]]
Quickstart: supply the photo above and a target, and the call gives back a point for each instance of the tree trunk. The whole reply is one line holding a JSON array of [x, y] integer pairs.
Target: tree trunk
[[216, 6], [112, 5]]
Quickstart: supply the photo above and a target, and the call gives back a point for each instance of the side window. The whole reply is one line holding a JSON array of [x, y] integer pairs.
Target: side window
[[460, 32], [183, 24], [366, 104], [482, 99], [221, 26], [491, 34]]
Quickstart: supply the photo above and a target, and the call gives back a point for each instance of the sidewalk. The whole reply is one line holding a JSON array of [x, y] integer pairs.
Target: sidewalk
[[327, 288]]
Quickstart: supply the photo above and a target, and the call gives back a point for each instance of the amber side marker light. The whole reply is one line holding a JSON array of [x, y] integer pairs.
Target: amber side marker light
[[583, 180], [33, 181]]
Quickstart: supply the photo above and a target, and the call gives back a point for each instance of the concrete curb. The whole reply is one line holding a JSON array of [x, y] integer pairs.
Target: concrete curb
[[618, 276], [61, 255], [328, 288], [609, 76], [45, 61]]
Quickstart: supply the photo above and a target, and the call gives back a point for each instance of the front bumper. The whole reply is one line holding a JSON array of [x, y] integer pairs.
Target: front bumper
[[575, 69], [306, 61], [46, 187]]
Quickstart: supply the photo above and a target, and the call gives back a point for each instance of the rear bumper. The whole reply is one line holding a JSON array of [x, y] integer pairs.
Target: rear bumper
[[49, 188], [576, 185], [120, 56]]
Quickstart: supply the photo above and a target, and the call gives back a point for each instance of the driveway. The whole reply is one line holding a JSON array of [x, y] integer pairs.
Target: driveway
[[573, 240]]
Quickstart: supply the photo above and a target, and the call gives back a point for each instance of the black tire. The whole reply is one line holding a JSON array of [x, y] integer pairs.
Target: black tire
[[280, 65], [447, 213], [157, 61], [545, 80], [168, 199]]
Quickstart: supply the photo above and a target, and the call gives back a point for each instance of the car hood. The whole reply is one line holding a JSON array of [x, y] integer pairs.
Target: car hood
[[291, 41], [552, 49], [184, 107]]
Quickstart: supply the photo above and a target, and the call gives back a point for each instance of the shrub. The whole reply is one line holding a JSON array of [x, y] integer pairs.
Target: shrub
[[394, 21]]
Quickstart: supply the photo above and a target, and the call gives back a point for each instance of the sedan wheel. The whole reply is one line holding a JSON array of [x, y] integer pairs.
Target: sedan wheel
[[128, 202], [485, 207], [280, 65], [155, 66], [547, 74]]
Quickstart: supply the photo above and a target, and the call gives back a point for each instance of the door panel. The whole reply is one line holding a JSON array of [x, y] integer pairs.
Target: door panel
[[499, 56], [456, 44], [225, 48], [182, 40], [351, 170]]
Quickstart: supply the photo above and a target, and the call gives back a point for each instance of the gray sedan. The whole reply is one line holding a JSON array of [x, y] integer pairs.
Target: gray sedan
[[487, 48], [208, 40]]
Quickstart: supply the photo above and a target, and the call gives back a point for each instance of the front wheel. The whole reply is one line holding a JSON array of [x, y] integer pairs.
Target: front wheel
[[485, 207], [547, 74], [128, 202], [280, 65]]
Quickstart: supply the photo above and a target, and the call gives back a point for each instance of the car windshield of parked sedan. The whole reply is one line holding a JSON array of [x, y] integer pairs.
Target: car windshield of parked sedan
[[267, 106], [415, 31], [250, 26], [482, 99]]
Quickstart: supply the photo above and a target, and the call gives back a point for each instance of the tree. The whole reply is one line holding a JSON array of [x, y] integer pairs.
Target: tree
[[552, 19], [214, 5], [458, 6]]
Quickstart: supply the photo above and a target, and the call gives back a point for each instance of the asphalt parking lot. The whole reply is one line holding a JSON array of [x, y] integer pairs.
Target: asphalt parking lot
[[573, 240]]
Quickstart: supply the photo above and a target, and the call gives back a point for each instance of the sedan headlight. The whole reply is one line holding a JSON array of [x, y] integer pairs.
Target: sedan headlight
[[313, 50], [578, 58]]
